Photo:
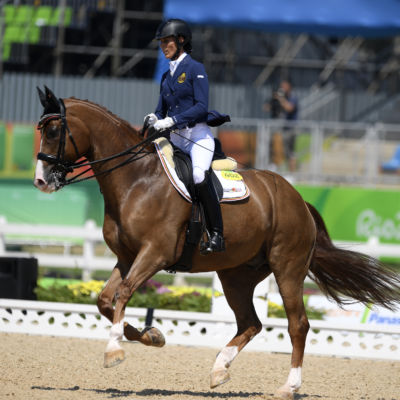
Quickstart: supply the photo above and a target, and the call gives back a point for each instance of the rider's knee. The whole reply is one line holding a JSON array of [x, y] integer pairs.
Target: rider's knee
[[198, 175]]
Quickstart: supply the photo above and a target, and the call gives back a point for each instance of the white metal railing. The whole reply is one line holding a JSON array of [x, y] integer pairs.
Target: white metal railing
[[330, 152], [200, 329], [89, 235]]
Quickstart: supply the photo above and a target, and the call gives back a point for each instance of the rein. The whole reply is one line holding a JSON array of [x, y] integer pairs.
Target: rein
[[62, 166]]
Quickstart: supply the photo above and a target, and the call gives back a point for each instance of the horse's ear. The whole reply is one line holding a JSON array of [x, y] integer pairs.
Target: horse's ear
[[52, 104], [42, 97], [50, 95]]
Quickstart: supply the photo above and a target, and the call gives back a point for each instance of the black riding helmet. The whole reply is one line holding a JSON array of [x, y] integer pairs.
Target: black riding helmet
[[176, 28]]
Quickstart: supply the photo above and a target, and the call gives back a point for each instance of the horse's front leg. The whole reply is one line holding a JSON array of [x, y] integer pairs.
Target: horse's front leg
[[146, 264], [149, 336]]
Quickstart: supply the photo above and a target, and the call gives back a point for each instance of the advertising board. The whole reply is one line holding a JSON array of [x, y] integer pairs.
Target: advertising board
[[356, 214]]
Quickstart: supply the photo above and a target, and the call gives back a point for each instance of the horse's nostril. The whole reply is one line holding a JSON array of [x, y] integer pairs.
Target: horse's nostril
[[39, 182]]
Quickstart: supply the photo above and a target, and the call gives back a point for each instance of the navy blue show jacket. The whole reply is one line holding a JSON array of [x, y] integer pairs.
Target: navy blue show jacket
[[184, 96]]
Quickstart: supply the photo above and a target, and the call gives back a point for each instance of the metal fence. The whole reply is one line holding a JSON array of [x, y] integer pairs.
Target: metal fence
[[131, 99], [324, 152]]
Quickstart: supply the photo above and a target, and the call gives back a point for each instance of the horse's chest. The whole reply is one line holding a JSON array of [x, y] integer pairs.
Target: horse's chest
[[116, 234]]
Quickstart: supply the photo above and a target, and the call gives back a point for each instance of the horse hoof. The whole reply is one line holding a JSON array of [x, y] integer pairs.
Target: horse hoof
[[153, 337], [113, 358], [283, 394], [219, 377]]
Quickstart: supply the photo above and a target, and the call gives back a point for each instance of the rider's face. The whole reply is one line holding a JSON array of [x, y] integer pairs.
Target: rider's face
[[168, 46]]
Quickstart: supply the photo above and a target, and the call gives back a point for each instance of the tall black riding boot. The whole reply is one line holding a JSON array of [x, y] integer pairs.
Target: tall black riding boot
[[208, 198]]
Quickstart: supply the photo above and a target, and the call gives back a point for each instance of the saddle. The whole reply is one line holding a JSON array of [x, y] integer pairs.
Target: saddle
[[184, 170], [178, 167]]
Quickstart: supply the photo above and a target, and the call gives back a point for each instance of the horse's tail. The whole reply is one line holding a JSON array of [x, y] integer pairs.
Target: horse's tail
[[340, 272]]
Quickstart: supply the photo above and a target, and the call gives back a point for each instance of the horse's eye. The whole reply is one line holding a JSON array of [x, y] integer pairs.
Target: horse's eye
[[52, 132]]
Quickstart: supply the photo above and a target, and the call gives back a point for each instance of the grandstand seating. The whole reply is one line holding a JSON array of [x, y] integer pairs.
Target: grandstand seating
[[43, 15], [24, 24], [23, 15], [55, 19], [9, 13], [31, 26]]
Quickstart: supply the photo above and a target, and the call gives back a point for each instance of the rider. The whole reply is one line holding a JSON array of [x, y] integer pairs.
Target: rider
[[183, 106]]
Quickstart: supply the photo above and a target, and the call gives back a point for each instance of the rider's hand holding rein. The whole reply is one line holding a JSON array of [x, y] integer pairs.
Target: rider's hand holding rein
[[151, 119], [165, 123]]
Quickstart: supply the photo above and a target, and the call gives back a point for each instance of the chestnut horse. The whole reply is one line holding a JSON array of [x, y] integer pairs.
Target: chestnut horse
[[274, 230]]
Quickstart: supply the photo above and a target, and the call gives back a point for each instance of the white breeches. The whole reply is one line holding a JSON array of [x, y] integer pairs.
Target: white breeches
[[198, 142]]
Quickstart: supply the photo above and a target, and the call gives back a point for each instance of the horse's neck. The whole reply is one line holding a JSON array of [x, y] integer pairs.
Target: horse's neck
[[108, 134], [122, 177], [113, 137]]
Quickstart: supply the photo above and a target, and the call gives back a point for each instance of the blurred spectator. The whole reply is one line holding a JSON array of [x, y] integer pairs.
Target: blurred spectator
[[283, 105]]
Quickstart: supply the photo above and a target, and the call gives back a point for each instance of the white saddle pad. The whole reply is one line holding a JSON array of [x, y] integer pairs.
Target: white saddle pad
[[234, 187]]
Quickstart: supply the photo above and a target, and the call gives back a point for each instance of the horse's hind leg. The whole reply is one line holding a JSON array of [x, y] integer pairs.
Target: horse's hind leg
[[238, 285], [290, 273]]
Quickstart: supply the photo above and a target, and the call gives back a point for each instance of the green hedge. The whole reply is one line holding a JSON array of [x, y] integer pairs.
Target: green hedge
[[152, 294]]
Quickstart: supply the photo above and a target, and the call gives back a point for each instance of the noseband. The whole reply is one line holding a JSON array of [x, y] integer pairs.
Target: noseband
[[61, 166]]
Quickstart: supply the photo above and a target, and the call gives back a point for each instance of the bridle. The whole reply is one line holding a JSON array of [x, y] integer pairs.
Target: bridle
[[62, 166], [60, 163]]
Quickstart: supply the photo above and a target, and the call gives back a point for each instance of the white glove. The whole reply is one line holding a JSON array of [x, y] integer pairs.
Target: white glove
[[165, 123], [152, 119]]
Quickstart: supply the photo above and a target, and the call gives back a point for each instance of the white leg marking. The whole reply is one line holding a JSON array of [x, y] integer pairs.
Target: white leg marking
[[293, 382], [116, 332], [225, 358]]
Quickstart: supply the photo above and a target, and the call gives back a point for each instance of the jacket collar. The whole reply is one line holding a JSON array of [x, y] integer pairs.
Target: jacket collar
[[173, 65]]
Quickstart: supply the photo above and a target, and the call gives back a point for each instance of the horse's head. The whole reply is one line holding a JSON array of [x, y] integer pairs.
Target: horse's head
[[58, 148]]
